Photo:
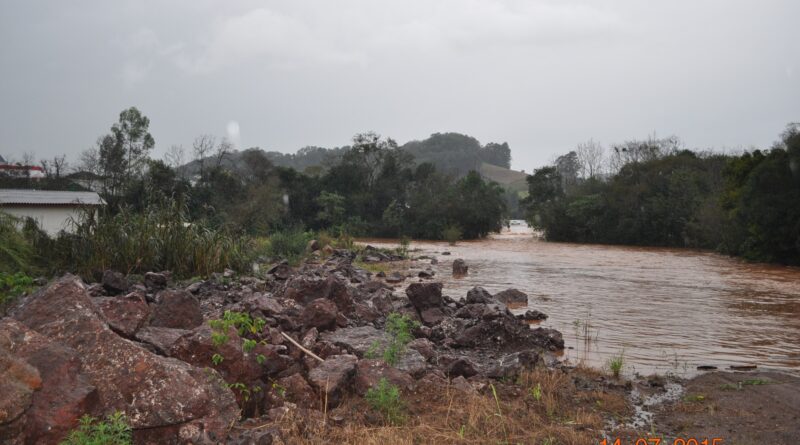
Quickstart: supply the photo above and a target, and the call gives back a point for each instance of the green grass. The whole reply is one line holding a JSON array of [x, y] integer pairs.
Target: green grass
[[372, 267], [616, 363], [114, 430], [385, 398]]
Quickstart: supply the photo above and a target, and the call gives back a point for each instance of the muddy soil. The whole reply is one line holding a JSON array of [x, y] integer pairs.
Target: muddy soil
[[741, 408]]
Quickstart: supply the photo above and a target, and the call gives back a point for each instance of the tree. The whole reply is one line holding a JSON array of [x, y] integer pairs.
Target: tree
[[590, 157], [132, 134], [202, 147], [568, 167], [175, 157]]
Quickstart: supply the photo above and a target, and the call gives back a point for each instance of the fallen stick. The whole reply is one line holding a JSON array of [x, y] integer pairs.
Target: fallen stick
[[294, 342]]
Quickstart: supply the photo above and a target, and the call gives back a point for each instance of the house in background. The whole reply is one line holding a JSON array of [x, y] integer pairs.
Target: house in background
[[52, 210], [21, 171]]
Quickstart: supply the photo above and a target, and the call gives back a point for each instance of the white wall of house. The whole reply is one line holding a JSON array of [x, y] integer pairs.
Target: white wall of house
[[51, 219]]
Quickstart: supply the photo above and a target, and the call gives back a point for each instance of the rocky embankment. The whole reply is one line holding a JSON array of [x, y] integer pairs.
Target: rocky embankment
[[198, 364]]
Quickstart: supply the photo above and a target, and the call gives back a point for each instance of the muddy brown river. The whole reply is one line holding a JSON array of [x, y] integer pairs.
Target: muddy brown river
[[664, 310]]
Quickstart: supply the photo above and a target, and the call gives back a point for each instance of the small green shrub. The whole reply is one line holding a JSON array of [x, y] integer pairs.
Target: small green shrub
[[616, 363], [289, 245], [11, 286], [399, 328], [452, 234], [112, 431], [385, 398], [244, 324]]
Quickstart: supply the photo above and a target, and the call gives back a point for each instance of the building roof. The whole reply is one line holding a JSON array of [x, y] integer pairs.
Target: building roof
[[48, 197]]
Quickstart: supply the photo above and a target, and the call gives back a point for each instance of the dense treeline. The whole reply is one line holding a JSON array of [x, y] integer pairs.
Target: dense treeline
[[231, 214], [371, 188], [662, 195]]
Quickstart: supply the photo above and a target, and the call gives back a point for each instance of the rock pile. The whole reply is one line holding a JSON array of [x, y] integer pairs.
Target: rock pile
[[186, 363]]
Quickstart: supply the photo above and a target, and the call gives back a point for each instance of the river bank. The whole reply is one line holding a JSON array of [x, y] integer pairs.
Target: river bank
[[346, 348]]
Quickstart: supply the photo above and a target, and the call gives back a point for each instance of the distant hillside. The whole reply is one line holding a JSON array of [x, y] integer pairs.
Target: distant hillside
[[510, 179], [452, 153]]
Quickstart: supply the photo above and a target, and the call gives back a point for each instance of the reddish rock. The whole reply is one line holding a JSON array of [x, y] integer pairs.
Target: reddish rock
[[66, 392], [297, 390], [425, 295], [198, 349], [370, 371], [154, 392], [125, 315], [333, 375], [320, 313], [305, 289], [162, 339], [176, 309], [432, 316], [18, 381]]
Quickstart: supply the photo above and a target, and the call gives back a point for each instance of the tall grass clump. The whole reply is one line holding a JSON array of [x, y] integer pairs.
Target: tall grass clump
[[288, 244], [159, 238], [16, 252], [616, 363]]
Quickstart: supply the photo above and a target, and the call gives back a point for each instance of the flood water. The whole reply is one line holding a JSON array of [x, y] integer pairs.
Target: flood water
[[665, 310]]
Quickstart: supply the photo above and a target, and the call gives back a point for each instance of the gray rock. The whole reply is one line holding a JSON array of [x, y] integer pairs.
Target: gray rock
[[356, 340]]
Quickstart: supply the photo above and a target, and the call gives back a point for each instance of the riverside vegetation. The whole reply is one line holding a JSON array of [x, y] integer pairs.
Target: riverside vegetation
[[659, 194]]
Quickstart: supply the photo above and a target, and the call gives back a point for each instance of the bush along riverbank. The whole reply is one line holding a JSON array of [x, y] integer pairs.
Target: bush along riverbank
[[325, 352]]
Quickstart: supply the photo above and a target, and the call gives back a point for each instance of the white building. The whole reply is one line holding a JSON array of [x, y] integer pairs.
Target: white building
[[51, 209]]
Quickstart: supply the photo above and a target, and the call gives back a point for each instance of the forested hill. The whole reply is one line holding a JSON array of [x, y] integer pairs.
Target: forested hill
[[451, 153]]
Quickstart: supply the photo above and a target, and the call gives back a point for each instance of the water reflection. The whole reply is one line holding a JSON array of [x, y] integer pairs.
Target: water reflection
[[670, 310]]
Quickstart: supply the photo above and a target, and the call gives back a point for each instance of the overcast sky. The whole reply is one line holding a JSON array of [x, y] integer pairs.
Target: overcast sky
[[280, 75]]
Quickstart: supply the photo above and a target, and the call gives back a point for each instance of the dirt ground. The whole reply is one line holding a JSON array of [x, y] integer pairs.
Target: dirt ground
[[741, 408]]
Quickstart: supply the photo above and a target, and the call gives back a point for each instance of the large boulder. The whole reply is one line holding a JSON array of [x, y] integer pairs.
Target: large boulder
[[18, 381], [64, 392], [425, 295], [176, 309], [161, 339], [114, 283], [165, 397], [297, 390], [333, 376], [512, 297], [479, 295], [460, 267], [357, 340], [320, 313], [304, 289], [124, 314], [370, 371], [155, 281]]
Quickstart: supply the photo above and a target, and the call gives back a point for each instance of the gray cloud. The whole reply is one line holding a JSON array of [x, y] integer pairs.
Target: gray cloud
[[542, 75]]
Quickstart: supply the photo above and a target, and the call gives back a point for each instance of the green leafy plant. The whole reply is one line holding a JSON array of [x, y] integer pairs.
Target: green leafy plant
[[399, 328], [244, 324], [405, 242], [385, 398], [13, 285], [114, 430]]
